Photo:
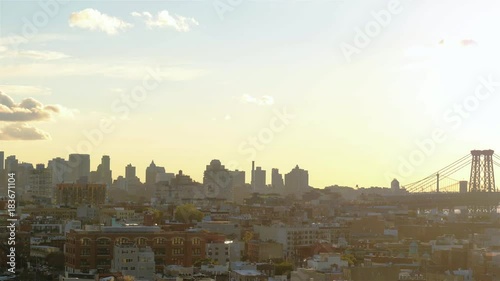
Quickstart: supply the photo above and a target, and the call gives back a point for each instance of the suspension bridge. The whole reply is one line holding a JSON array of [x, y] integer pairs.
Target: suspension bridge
[[482, 177], [441, 189]]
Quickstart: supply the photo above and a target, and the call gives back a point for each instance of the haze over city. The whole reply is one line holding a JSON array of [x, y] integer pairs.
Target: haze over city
[[217, 78]]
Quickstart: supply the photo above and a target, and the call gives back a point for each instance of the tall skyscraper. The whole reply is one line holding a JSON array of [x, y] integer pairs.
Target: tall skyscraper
[[277, 179], [151, 173], [238, 178], [2, 159], [259, 179], [130, 172], [297, 181], [217, 181], [103, 173], [79, 165], [41, 185], [60, 170], [11, 164]]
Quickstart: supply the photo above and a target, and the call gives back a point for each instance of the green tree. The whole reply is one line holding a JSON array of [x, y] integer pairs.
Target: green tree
[[158, 216], [350, 258], [283, 268], [187, 213], [204, 261]]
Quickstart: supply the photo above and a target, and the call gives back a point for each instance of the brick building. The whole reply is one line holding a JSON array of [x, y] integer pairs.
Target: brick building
[[92, 251], [74, 194]]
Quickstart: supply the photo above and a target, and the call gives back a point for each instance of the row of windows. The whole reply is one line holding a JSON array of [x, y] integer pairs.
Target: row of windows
[[157, 251], [139, 241]]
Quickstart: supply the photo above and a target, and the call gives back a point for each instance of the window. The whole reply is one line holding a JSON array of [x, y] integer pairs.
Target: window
[[178, 241], [196, 241], [103, 252], [86, 241], [141, 241], [177, 251], [103, 241], [122, 240], [160, 241], [196, 251]]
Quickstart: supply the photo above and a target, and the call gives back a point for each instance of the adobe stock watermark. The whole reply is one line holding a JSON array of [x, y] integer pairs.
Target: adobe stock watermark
[[223, 7], [364, 36], [280, 120], [31, 26], [454, 117], [121, 108]]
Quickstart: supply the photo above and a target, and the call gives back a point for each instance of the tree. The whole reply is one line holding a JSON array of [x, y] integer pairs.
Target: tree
[[204, 261], [350, 258], [187, 213], [248, 236], [283, 268], [157, 215]]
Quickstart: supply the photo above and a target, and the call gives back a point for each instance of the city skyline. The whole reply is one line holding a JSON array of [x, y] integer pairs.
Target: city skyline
[[185, 84], [461, 168]]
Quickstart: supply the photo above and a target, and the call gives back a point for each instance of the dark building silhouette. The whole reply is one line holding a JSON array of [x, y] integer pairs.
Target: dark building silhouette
[[297, 181], [277, 179]]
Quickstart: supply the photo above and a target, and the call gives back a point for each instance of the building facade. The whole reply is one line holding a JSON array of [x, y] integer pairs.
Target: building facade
[[92, 251]]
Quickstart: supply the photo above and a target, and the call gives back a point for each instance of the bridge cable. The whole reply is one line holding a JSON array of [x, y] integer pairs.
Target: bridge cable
[[441, 170], [432, 182], [445, 172]]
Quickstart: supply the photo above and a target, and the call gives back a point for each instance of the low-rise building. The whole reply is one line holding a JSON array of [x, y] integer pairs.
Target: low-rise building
[[135, 261]]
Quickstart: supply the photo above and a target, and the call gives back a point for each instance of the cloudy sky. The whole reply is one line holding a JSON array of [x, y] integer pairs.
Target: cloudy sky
[[348, 90]]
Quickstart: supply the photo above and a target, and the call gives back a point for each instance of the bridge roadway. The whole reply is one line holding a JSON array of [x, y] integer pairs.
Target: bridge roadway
[[444, 200]]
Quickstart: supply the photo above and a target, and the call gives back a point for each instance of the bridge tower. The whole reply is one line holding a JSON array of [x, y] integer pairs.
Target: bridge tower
[[482, 178]]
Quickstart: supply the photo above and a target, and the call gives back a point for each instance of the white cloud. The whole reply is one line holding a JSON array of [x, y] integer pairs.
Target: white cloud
[[264, 100], [22, 131], [28, 109], [166, 20], [92, 19], [25, 90]]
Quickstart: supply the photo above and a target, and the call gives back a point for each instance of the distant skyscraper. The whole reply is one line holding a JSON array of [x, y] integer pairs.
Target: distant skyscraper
[[79, 165], [297, 181], [395, 184], [277, 179], [23, 173], [217, 181], [259, 179], [151, 172], [2, 159], [238, 178], [130, 172], [11, 164], [41, 185], [103, 173], [60, 170], [252, 176]]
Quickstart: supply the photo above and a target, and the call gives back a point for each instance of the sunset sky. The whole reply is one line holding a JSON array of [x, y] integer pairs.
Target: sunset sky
[[218, 76]]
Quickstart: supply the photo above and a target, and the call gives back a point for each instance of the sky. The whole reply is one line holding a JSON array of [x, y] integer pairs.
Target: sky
[[356, 93]]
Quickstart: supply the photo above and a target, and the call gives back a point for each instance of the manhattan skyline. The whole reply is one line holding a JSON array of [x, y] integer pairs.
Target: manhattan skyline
[[217, 81]]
